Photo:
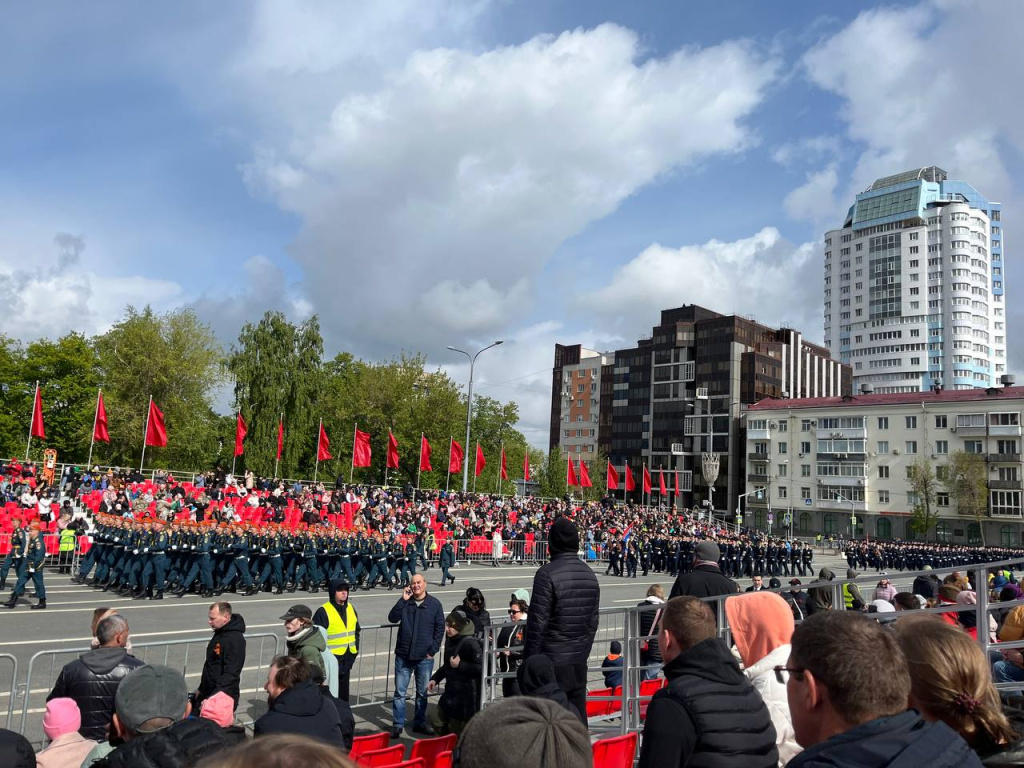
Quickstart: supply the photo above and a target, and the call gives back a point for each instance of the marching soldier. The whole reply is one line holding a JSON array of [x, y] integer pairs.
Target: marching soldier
[[15, 553], [447, 560], [30, 566]]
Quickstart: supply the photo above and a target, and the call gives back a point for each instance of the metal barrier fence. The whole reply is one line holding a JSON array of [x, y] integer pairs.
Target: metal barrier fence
[[55, 558], [187, 656], [12, 689]]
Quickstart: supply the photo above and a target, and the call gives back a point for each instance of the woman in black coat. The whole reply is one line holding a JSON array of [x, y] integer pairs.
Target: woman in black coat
[[474, 606]]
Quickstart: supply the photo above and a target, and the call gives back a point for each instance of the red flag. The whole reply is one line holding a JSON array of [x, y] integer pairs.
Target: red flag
[[455, 455], [661, 482], [37, 415], [156, 431], [613, 478], [240, 432], [526, 467], [480, 461], [504, 466], [677, 482], [647, 480], [100, 432], [392, 458], [571, 474], [584, 476], [323, 446], [361, 453], [630, 484], [425, 455], [280, 438]]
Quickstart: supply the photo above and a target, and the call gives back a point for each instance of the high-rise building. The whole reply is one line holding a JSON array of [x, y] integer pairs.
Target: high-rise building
[[914, 286], [678, 393]]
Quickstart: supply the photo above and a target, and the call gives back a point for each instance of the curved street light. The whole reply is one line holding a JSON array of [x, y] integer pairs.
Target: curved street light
[[469, 407]]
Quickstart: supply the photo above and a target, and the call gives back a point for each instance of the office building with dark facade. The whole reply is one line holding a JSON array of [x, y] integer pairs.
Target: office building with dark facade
[[681, 392]]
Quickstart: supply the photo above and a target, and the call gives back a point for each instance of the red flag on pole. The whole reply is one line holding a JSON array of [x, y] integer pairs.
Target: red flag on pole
[[392, 457], [100, 431], [504, 466], [280, 438], [571, 473], [455, 456], [584, 476], [361, 453], [37, 415], [156, 431], [323, 446], [661, 481], [647, 480], [677, 482], [613, 478], [241, 430], [630, 483], [425, 455], [526, 467], [480, 461]]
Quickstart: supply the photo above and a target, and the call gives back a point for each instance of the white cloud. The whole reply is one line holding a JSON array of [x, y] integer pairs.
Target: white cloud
[[764, 275], [815, 199], [810, 149], [431, 199]]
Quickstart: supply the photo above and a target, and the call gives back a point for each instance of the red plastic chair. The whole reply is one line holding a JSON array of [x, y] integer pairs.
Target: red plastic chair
[[443, 760], [371, 741], [617, 752], [379, 758], [429, 749], [599, 708]]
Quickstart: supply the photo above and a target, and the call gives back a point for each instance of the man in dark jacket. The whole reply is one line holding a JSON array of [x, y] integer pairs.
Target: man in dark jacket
[[297, 706], [709, 714], [847, 684], [706, 579], [225, 654], [420, 620], [563, 614], [463, 662], [927, 586], [93, 677], [151, 720]]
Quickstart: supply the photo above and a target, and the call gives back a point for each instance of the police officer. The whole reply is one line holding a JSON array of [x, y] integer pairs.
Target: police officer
[[338, 616]]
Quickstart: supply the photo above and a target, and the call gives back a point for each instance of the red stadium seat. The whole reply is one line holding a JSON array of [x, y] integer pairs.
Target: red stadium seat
[[617, 752], [379, 758], [372, 741], [429, 749]]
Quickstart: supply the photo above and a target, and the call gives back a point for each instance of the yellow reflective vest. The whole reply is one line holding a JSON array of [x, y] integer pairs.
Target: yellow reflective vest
[[341, 632]]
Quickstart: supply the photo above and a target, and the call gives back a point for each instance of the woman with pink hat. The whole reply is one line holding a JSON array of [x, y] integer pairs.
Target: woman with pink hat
[[68, 748]]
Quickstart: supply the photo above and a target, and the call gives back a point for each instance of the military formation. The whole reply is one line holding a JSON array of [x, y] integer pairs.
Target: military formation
[[915, 556], [147, 558], [25, 557], [742, 557]]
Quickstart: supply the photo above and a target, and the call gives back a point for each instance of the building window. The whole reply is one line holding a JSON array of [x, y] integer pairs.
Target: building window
[[883, 422], [943, 532], [973, 534], [883, 447], [782, 469], [782, 491], [940, 422], [829, 523], [911, 447], [805, 470], [883, 497], [783, 426], [942, 499], [805, 522], [805, 493], [884, 528], [973, 446], [805, 448], [911, 422], [883, 472], [782, 448], [942, 447]]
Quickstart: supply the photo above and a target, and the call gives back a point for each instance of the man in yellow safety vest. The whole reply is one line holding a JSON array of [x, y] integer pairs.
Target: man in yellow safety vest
[[339, 618]]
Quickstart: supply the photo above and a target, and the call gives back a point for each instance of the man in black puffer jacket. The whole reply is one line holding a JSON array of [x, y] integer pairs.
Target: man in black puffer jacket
[[225, 655], [709, 714], [563, 615], [92, 679]]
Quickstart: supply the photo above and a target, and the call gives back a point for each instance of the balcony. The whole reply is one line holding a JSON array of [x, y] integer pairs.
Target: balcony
[[978, 431], [1007, 512], [854, 457], [849, 482], [1004, 458], [759, 434], [839, 504], [1005, 485], [751, 501], [858, 433], [1008, 430], [759, 456], [762, 479]]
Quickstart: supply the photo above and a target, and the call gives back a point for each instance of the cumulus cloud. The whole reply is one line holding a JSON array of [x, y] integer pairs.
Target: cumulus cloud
[[815, 199], [430, 201], [809, 149], [764, 275]]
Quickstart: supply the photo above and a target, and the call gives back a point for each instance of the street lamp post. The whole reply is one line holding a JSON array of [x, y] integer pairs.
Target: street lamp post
[[469, 408]]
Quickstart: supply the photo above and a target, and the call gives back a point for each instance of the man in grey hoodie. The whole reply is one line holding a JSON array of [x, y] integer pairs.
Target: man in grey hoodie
[[92, 679]]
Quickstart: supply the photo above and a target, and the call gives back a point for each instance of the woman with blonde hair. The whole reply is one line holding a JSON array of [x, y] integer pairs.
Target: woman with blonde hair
[[950, 681]]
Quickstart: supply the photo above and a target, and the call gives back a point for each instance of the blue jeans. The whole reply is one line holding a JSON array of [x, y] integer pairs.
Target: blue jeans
[[1005, 672], [404, 670]]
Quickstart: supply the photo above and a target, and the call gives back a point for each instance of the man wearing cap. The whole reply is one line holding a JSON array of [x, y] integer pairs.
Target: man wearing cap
[[15, 554], [563, 616], [524, 730], [225, 654], [151, 717], [706, 579], [338, 616], [31, 567]]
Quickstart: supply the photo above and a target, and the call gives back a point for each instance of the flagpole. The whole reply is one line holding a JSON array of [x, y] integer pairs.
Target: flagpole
[[352, 468], [234, 458], [319, 431], [277, 461], [31, 418], [501, 456], [419, 467], [451, 444], [474, 465], [145, 434], [95, 421]]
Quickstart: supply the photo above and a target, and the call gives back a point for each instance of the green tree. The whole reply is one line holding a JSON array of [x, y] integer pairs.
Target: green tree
[[967, 482], [552, 475], [924, 486], [15, 399], [175, 359]]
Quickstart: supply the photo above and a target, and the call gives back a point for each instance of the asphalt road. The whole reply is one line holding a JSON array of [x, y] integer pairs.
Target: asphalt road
[[62, 631]]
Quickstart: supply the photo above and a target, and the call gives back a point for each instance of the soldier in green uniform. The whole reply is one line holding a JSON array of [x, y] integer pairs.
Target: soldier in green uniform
[[30, 567]]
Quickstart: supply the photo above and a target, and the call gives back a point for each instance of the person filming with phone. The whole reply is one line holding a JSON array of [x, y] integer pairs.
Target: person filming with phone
[[420, 620]]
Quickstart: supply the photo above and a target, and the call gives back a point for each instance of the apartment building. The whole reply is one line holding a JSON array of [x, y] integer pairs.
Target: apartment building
[[576, 400]]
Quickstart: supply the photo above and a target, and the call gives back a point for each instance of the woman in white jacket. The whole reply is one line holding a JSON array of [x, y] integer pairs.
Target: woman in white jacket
[[762, 627]]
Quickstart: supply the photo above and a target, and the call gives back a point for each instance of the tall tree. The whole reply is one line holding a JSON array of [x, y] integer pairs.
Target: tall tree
[[15, 399], [924, 486], [967, 482]]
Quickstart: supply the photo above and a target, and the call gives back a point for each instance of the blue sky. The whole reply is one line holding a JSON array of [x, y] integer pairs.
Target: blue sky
[[431, 173]]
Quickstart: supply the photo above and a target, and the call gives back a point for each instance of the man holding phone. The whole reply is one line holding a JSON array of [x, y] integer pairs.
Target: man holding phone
[[420, 620]]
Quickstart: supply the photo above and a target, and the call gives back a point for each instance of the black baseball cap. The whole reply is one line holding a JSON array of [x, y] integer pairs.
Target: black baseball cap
[[298, 612]]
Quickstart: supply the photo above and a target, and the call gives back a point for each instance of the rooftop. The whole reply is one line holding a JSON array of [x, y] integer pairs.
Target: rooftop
[[904, 398], [929, 173]]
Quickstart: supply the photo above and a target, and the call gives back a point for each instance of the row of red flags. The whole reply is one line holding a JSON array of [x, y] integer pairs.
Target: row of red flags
[[156, 430], [630, 484]]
